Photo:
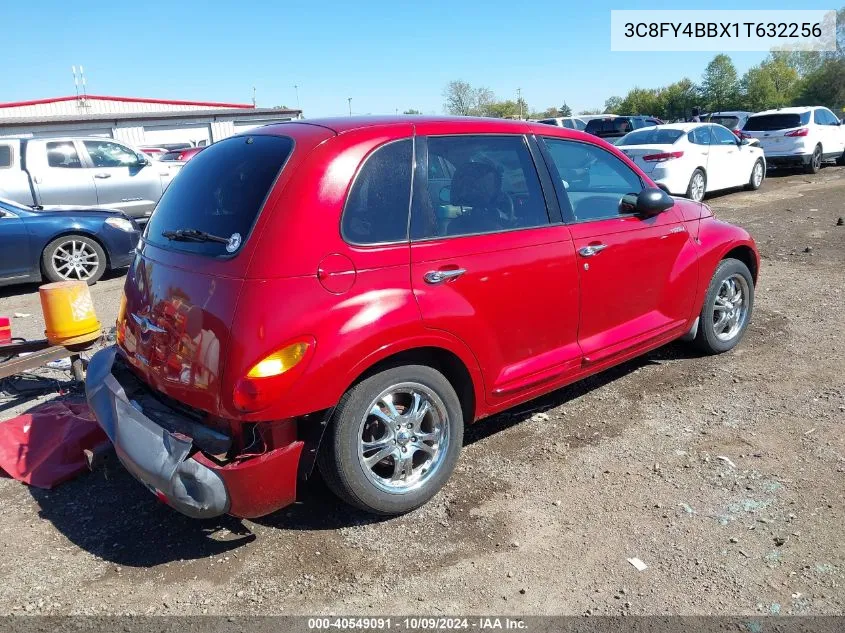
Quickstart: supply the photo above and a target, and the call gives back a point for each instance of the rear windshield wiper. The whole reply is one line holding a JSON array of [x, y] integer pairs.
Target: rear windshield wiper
[[185, 235]]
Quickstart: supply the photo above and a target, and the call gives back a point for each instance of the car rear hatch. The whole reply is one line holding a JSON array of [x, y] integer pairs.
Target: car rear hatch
[[779, 133], [647, 156], [176, 323]]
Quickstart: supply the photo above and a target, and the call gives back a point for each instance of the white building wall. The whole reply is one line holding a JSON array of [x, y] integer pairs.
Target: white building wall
[[221, 130], [130, 133]]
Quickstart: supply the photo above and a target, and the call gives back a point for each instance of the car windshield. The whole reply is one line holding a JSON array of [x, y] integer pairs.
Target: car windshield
[[781, 121], [651, 136], [729, 122], [220, 192]]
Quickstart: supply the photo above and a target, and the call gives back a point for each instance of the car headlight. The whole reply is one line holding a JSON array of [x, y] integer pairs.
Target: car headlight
[[120, 223]]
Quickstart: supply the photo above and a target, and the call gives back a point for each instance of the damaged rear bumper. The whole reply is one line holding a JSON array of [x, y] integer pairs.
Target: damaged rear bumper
[[169, 463]]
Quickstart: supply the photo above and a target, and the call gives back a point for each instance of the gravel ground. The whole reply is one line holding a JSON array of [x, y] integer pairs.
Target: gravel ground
[[724, 475]]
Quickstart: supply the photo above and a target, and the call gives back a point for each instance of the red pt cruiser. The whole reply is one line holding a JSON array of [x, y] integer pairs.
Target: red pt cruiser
[[348, 293]]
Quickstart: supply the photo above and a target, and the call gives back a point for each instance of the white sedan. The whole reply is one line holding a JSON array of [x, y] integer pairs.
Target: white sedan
[[691, 159]]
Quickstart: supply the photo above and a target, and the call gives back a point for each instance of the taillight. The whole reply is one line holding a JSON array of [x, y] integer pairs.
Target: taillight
[[269, 377], [662, 158], [800, 132]]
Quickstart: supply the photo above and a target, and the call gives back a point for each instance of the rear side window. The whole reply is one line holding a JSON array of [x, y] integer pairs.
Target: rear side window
[[62, 154], [492, 186], [5, 156], [108, 154], [379, 202], [699, 136], [771, 122], [609, 127], [221, 192]]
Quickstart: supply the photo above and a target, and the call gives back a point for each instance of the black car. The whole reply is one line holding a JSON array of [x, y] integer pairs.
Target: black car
[[610, 128]]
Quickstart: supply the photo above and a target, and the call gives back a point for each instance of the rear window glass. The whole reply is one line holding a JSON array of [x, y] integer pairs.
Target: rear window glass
[[5, 156], [729, 122], [609, 127], [221, 191], [171, 155], [651, 136], [769, 122]]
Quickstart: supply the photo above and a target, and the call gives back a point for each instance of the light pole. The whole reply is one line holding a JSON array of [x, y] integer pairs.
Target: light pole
[[519, 101], [349, 100], [296, 88]]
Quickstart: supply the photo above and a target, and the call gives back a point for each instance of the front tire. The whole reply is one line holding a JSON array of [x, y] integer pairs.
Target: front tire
[[394, 440], [727, 308], [74, 258], [815, 163], [758, 174], [697, 185]]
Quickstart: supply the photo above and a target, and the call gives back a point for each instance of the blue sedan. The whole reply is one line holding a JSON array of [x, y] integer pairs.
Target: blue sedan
[[62, 243]]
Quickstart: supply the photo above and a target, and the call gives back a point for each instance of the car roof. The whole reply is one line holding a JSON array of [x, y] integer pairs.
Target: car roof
[[729, 113], [792, 110], [341, 125]]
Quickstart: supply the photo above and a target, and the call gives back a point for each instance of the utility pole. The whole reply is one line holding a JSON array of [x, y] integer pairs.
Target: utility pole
[[253, 96], [349, 100], [296, 87], [519, 101]]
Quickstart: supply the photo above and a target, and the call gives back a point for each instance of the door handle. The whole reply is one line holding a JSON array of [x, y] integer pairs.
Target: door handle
[[439, 276], [592, 249], [102, 175]]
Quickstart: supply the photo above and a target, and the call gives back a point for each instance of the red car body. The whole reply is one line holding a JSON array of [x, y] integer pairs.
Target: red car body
[[529, 316], [181, 154]]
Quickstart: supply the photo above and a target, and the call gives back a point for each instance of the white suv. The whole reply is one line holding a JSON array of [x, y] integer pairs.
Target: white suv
[[802, 136]]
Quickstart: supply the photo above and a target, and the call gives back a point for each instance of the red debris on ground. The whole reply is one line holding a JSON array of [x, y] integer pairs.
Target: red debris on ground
[[44, 446]]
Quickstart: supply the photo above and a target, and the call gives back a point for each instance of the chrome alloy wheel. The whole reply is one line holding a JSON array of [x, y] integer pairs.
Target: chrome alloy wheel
[[75, 259], [697, 187], [403, 438], [757, 174], [730, 309]]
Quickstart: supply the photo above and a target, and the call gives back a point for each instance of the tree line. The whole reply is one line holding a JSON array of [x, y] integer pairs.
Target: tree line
[[782, 79]]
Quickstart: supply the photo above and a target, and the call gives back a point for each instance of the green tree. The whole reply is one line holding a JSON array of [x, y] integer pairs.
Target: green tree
[[592, 111], [462, 99], [411, 111], [772, 84], [720, 85], [676, 100], [564, 110], [640, 101], [825, 86], [613, 105]]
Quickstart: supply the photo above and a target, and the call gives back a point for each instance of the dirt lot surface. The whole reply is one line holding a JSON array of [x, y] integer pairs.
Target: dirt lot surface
[[724, 475]]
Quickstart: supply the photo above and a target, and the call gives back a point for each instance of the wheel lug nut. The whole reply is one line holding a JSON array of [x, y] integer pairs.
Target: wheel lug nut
[[404, 450], [413, 439]]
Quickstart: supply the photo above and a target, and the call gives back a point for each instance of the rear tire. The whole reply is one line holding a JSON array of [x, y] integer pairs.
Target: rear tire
[[727, 308], [697, 185], [841, 160], [74, 258], [758, 175], [393, 461], [815, 163]]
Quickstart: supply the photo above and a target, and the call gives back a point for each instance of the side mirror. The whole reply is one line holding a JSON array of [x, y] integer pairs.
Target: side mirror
[[653, 201], [143, 161]]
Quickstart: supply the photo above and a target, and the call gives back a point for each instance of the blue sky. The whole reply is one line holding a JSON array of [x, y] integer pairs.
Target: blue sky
[[386, 55]]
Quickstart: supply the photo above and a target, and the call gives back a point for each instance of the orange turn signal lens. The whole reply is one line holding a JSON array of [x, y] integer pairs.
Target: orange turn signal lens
[[279, 362]]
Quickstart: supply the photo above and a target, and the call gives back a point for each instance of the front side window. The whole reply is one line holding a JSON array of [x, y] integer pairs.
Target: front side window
[[492, 186], [598, 184], [62, 154], [377, 207], [722, 136], [108, 154]]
